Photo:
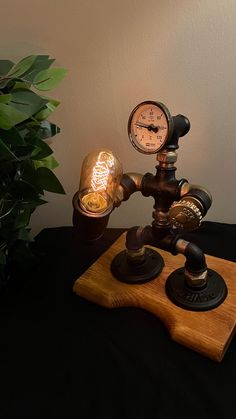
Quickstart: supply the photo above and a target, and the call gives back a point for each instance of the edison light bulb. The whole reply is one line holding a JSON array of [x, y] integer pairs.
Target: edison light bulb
[[100, 176]]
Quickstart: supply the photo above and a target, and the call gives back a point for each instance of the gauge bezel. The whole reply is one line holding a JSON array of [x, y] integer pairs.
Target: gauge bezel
[[169, 121]]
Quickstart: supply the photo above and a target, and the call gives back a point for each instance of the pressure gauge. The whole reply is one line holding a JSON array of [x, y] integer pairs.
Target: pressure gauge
[[150, 126]]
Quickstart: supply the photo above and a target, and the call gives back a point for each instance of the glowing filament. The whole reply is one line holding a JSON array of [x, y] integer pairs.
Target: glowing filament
[[101, 171], [97, 200], [100, 176]]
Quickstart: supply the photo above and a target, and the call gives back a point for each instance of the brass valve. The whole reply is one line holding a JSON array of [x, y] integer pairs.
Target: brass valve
[[186, 214]]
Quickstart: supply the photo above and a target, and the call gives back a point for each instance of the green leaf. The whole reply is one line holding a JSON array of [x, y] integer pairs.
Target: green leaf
[[21, 189], [27, 102], [24, 152], [7, 167], [5, 98], [47, 130], [42, 62], [5, 66], [47, 110], [5, 152], [22, 219], [7, 208], [8, 83], [49, 79], [22, 66], [41, 150], [12, 136], [31, 187], [52, 103], [9, 116], [41, 130], [23, 129], [33, 203], [3, 83], [48, 181], [21, 85], [23, 234], [49, 162]]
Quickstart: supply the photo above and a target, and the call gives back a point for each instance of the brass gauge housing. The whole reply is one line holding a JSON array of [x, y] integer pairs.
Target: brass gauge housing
[[150, 126]]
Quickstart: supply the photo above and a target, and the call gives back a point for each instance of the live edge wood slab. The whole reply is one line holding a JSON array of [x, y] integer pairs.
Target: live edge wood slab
[[208, 333]]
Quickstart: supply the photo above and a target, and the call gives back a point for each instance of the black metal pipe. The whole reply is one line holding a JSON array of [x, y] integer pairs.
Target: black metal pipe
[[161, 238], [202, 196], [137, 237], [168, 243], [90, 227], [181, 125], [195, 259], [181, 128], [164, 239]]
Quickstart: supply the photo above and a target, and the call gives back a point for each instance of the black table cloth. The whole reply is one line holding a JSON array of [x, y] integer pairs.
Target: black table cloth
[[63, 357]]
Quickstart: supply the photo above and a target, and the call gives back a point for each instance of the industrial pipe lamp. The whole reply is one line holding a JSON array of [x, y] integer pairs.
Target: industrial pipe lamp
[[179, 206]]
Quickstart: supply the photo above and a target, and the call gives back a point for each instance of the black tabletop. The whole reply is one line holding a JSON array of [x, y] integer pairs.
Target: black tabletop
[[63, 357]]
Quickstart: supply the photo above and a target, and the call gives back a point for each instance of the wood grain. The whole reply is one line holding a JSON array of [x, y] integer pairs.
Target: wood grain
[[208, 333]]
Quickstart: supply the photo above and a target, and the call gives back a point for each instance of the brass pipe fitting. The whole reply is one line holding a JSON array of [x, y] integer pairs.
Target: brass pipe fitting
[[130, 183]]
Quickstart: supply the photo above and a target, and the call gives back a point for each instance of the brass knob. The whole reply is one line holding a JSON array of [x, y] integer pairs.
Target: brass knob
[[186, 214]]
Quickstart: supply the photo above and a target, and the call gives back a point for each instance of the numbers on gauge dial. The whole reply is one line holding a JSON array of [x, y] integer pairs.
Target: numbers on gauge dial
[[149, 128]]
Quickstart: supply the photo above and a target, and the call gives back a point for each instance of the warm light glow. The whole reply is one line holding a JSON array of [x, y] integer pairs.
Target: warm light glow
[[103, 174], [101, 171], [94, 202]]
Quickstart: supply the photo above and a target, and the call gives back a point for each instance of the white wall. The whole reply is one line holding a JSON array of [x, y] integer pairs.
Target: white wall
[[119, 53]]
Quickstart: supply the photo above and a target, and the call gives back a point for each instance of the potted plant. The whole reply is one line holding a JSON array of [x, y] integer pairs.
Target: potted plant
[[26, 158]]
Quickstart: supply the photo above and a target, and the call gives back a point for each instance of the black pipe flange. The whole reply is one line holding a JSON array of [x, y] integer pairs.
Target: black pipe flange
[[196, 297]]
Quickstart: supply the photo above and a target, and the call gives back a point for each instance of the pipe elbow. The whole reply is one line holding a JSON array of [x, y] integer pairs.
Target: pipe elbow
[[195, 258], [130, 183], [137, 237], [200, 193]]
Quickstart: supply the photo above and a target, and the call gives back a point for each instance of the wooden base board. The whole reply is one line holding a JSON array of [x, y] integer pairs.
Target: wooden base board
[[208, 333]]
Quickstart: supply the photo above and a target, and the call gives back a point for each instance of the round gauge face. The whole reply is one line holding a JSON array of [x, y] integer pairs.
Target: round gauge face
[[150, 126]]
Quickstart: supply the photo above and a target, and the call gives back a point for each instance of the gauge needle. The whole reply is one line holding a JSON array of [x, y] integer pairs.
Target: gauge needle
[[150, 127]]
